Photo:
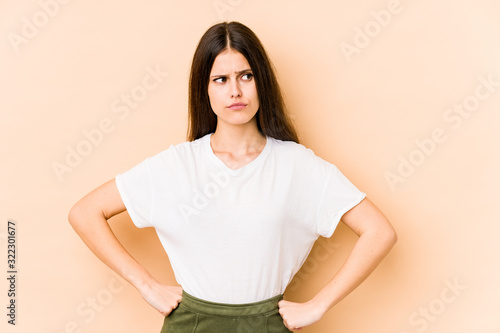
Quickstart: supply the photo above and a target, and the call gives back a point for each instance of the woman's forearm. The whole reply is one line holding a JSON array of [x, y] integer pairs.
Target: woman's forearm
[[368, 252], [94, 230], [89, 217]]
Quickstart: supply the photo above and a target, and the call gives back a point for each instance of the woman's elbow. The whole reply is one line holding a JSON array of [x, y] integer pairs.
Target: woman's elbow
[[390, 236], [73, 214], [79, 212]]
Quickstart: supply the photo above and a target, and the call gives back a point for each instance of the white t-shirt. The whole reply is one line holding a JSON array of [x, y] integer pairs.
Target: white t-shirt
[[237, 236]]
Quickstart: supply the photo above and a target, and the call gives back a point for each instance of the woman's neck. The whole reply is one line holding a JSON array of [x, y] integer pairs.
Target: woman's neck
[[237, 140]]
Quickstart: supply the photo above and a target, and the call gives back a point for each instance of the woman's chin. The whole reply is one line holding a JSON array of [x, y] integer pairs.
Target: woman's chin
[[237, 120]]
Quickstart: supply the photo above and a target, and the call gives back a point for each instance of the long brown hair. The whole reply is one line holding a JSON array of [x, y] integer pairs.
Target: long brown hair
[[272, 118]]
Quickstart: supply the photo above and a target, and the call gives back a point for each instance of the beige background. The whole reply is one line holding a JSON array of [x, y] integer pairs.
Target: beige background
[[361, 100]]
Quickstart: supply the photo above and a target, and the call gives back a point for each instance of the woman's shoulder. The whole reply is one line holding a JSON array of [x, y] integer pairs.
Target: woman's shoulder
[[291, 148], [185, 150], [189, 146], [293, 153]]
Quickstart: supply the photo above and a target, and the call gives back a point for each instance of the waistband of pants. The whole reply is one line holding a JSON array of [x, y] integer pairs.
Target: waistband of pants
[[224, 309]]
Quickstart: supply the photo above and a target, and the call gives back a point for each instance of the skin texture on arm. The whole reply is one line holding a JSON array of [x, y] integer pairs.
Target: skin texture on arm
[[89, 219], [376, 238]]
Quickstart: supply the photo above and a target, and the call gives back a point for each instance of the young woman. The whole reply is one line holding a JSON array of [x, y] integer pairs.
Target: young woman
[[238, 207]]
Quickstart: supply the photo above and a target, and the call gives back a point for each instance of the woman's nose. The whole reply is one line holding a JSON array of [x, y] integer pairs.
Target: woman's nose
[[235, 89]]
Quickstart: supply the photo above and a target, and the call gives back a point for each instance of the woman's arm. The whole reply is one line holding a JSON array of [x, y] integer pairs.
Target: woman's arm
[[376, 238], [89, 219]]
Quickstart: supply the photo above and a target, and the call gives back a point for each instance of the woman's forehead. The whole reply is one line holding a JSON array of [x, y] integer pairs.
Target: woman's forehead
[[229, 62]]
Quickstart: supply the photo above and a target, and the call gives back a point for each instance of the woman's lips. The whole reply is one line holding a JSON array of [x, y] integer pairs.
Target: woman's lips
[[237, 106]]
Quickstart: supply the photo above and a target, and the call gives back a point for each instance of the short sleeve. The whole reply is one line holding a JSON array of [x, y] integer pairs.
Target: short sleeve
[[136, 191], [339, 196]]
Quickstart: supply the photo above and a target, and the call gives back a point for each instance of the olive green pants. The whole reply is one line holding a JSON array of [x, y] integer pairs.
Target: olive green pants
[[200, 316]]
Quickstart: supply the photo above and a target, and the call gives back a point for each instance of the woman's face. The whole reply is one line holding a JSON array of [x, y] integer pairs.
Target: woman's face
[[231, 89]]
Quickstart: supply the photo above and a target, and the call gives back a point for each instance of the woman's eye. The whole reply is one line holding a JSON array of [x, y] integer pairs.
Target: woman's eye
[[247, 76], [220, 79]]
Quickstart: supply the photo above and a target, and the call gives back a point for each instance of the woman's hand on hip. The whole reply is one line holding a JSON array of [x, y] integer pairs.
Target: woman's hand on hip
[[298, 315], [162, 297]]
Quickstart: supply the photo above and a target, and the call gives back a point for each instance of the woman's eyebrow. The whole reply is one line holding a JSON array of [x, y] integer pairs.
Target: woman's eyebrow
[[238, 72]]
